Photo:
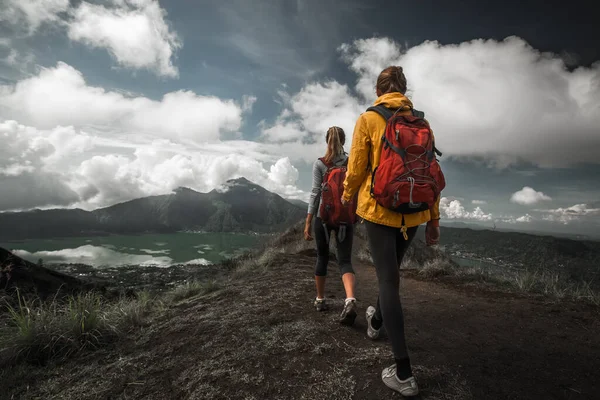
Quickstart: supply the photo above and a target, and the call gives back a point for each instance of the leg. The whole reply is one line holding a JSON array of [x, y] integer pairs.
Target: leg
[[322, 257], [401, 247], [344, 254], [402, 244], [383, 242]]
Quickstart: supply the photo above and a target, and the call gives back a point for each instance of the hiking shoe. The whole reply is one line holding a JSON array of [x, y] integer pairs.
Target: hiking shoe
[[371, 332], [348, 313], [321, 305], [407, 387]]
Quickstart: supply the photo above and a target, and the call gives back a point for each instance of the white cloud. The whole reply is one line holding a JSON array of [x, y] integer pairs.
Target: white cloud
[[134, 32], [110, 179], [479, 202], [525, 218], [33, 13], [313, 110], [180, 115], [68, 167], [453, 209], [467, 92], [528, 196], [570, 214]]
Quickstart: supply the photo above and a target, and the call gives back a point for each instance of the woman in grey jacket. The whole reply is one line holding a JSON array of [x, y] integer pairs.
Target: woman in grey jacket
[[335, 155]]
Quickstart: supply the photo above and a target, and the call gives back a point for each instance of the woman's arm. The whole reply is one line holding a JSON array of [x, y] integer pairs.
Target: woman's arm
[[357, 160], [315, 196]]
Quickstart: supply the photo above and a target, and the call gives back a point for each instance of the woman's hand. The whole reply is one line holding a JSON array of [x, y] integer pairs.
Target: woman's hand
[[344, 202], [307, 235], [432, 234]]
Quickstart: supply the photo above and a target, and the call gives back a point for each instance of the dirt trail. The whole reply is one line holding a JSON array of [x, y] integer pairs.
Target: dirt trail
[[259, 338]]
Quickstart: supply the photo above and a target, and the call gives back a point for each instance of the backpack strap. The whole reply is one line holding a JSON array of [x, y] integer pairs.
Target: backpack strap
[[322, 159], [385, 112], [417, 113]]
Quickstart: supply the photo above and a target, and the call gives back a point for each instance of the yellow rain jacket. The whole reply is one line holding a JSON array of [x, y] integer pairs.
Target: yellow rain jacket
[[366, 145]]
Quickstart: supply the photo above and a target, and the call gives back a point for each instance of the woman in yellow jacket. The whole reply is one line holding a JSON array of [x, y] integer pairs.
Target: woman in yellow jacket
[[389, 232]]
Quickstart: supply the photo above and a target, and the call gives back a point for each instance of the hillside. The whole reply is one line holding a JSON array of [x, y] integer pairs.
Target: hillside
[[299, 203], [239, 206], [575, 259], [263, 340]]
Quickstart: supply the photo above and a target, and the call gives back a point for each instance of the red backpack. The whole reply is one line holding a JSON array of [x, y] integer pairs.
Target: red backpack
[[333, 213], [408, 178]]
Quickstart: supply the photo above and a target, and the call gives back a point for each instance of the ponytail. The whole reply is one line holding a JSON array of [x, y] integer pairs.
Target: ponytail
[[335, 139]]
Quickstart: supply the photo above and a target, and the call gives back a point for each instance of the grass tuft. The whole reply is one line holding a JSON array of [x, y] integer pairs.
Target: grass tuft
[[193, 288], [37, 331]]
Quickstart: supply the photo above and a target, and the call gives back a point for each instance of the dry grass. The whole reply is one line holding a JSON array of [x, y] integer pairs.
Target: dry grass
[[191, 289], [549, 283], [38, 331]]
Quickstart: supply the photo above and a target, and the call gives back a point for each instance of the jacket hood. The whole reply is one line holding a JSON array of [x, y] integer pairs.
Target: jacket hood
[[394, 100]]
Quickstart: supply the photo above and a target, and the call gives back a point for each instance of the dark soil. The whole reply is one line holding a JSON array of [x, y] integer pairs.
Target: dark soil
[[260, 338]]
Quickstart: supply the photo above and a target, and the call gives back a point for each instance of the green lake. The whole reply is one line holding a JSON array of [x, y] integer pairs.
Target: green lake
[[150, 249]]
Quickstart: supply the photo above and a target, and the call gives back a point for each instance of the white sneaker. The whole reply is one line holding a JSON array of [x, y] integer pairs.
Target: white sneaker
[[371, 332], [407, 387]]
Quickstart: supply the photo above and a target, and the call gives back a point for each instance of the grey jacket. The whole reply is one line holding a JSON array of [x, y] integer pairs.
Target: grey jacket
[[319, 170]]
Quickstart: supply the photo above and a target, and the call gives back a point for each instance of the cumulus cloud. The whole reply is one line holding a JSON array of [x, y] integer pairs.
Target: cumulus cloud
[[313, 110], [69, 167], [467, 90], [135, 33], [504, 101], [528, 196], [180, 115], [524, 219], [33, 13], [109, 179], [570, 214], [453, 209]]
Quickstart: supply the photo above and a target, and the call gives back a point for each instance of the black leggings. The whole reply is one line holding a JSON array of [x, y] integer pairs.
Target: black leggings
[[344, 248], [388, 247]]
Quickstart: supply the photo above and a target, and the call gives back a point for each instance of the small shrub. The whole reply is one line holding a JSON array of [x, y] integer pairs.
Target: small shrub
[[364, 255], [435, 268], [133, 313], [527, 280], [584, 291], [554, 285], [193, 288]]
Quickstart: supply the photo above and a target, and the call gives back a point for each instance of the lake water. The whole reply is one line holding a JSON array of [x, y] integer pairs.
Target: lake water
[[152, 249]]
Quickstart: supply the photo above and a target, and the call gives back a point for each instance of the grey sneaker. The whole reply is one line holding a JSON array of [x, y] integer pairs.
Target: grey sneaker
[[371, 332], [321, 305], [406, 388], [348, 313]]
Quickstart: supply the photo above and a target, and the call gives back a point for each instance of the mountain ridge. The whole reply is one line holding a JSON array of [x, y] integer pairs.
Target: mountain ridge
[[239, 205]]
